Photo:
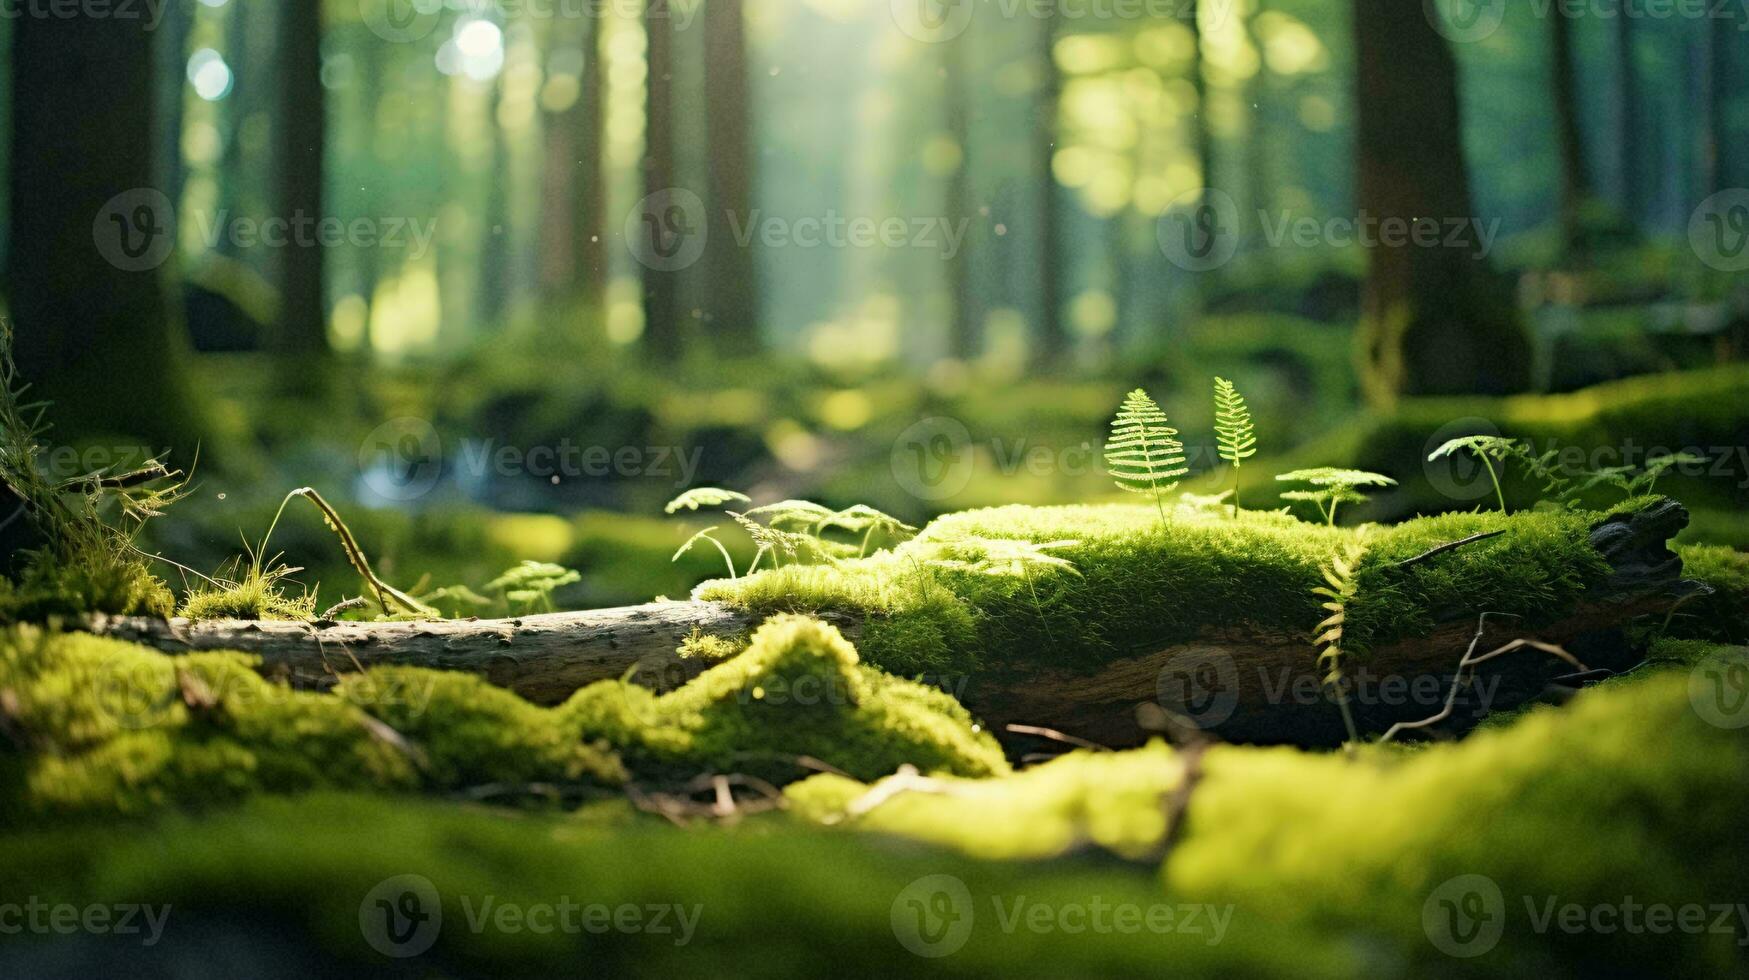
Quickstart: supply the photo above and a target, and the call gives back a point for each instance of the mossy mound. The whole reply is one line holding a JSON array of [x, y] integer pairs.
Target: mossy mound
[[800, 690], [1724, 615], [1112, 800], [102, 727], [296, 881], [1625, 794], [113, 585], [956, 599]]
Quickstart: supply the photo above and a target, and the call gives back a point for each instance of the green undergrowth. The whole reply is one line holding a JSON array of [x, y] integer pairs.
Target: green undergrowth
[[957, 598], [1627, 792], [1723, 615], [97, 726], [102, 583], [799, 691], [767, 898]]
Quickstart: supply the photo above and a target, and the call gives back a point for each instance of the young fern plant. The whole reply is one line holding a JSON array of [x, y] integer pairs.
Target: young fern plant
[[1235, 436], [1144, 455], [1341, 583], [1334, 487]]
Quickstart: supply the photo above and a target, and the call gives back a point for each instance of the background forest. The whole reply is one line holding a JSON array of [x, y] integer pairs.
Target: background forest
[[502, 278]]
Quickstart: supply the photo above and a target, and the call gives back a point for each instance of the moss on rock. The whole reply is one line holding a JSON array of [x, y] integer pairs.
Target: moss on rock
[[799, 690]]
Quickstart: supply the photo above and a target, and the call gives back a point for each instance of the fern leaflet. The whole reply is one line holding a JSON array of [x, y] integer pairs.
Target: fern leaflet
[[1235, 436], [1144, 455]]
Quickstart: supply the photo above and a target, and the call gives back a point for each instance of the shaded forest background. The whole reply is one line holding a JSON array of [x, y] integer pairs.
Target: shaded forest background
[[545, 155]]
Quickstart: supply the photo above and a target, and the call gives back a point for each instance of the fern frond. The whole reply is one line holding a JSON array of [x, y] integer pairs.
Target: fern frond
[[1342, 574], [705, 497], [1235, 435], [1143, 454]]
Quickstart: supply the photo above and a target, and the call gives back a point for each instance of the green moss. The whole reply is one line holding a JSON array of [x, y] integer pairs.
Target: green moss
[[257, 596], [1138, 585], [800, 690], [1113, 800], [114, 585], [1624, 794], [1724, 615], [798, 903], [107, 727]]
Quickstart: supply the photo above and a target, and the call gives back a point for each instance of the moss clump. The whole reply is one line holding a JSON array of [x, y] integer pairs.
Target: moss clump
[[799, 690], [107, 584], [1138, 585], [1724, 615], [1113, 800], [257, 596], [107, 727]]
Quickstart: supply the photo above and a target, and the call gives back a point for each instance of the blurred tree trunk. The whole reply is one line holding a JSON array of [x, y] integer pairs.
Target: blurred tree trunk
[[1718, 137], [491, 295], [96, 331], [732, 291], [1052, 341], [1628, 139], [663, 325], [301, 122], [1432, 321], [1258, 184], [172, 67], [574, 265], [1575, 177], [370, 97], [1205, 142], [962, 323]]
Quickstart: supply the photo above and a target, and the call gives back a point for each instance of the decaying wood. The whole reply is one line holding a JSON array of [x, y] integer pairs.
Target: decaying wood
[[1249, 685]]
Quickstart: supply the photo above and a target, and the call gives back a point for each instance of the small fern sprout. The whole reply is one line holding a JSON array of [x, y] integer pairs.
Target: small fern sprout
[[1341, 584], [1144, 455], [1657, 467], [710, 497], [803, 514], [1488, 449], [532, 584], [1235, 436], [868, 521], [1335, 487], [708, 534]]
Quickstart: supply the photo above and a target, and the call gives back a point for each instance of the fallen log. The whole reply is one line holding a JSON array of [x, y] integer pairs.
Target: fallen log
[[1240, 683]]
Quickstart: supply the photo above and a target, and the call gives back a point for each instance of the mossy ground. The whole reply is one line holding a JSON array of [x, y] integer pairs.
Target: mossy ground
[[1139, 583]]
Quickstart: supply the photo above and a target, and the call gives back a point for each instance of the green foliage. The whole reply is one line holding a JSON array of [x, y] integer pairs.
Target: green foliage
[[87, 562], [799, 691], [531, 584], [1335, 487], [249, 593], [1235, 436], [1341, 585], [708, 497], [1143, 454]]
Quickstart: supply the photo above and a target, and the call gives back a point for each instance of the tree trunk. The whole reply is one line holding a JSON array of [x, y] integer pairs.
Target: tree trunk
[[301, 130], [96, 331], [664, 326], [1628, 139], [1575, 177], [1256, 679], [731, 295], [1433, 322], [1052, 340], [1718, 123], [493, 291], [573, 260], [963, 316]]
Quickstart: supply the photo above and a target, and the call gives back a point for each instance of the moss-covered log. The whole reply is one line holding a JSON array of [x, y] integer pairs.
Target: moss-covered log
[[1207, 616]]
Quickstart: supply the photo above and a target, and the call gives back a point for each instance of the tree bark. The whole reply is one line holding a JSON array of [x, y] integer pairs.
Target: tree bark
[[731, 297], [1269, 680], [663, 322], [1433, 321], [301, 131], [91, 234], [1575, 176]]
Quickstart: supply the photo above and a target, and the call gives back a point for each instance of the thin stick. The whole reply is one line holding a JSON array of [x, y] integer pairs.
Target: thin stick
[[1469, 663], [1055, 736], [1453, 546]]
